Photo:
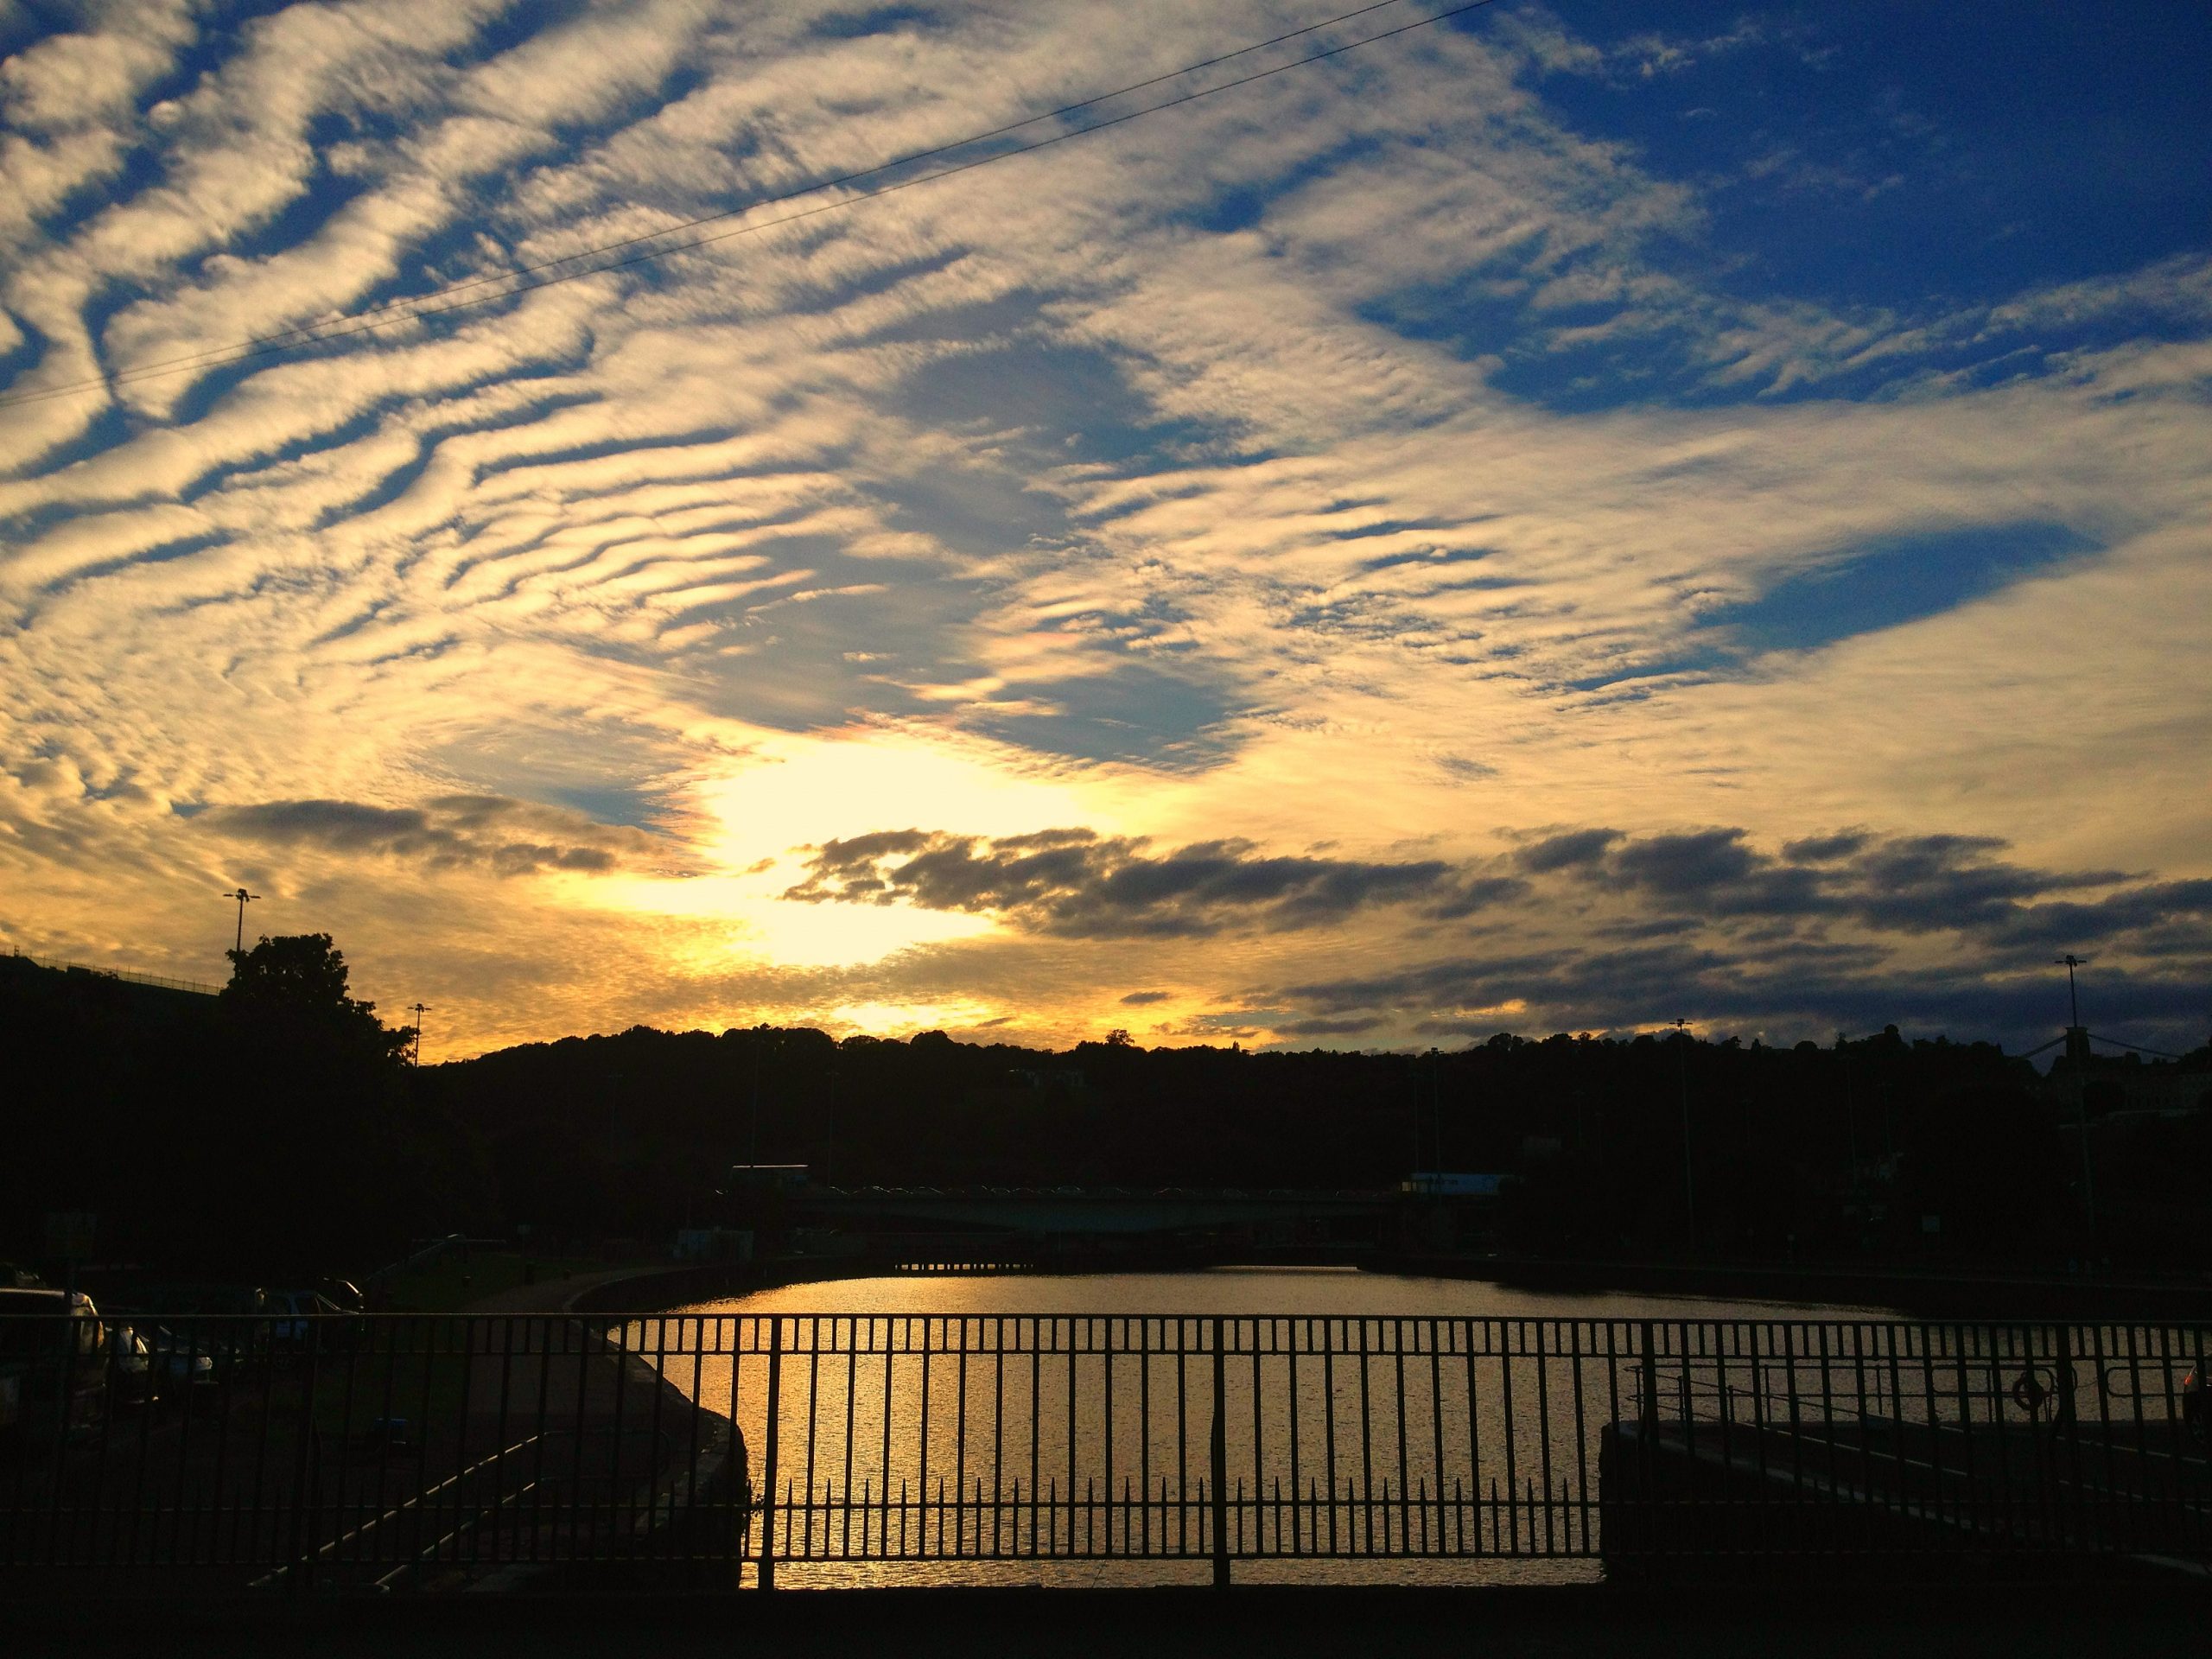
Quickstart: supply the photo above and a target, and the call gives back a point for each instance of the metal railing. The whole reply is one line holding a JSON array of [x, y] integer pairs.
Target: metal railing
[[199, 988], [415, 1451]]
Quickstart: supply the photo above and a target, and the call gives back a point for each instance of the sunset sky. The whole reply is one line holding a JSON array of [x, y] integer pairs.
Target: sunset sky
[[1572, 517]]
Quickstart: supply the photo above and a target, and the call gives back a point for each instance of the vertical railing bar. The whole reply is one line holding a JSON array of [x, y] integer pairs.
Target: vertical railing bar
[[959, 1450], [2066, 1415], [772, 1432], [1036, 1419], [1259, 1477], [1182, 1442], [2118, 1520], [1475, 1429], [184, 1531], [1544, 1433], [497, 1519], [1220, 1460], [738, 1506], [2008, 1502], [1930, 1345], [1507, 1328], [922, 1474], [852, 1339], [998, 1434], [1366, 1443], [812, 1325], [140, 1491], [1290, 1386], [1106, 1419], [1581, 1512], [1976, 1507], [261, 1552], [615, 1352], [537, 1347], [1892, 1335], [1074, 1341], [891, 1329], [1398, 1370], [1144, 1424], [1436, 1329]]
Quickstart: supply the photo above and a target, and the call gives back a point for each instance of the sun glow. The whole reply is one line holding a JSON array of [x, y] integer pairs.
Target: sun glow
[[792, 793]]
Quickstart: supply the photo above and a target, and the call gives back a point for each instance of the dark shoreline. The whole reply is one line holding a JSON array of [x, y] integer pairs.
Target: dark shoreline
[[1915, 1294]]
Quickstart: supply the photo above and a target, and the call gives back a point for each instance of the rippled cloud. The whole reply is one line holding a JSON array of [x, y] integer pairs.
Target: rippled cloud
[[1337, 496]]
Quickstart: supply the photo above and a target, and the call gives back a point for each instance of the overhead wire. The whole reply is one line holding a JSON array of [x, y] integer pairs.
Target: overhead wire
[[458, 296]]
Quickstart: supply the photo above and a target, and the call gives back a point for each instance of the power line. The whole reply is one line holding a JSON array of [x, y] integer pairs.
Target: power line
[[457, 297]]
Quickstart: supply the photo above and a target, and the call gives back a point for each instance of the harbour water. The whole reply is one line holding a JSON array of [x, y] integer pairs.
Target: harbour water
[[996, 1429]]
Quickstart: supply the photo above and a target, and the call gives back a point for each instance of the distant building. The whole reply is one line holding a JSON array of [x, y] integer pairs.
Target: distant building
[[1446, 1184], [2125, 1084]]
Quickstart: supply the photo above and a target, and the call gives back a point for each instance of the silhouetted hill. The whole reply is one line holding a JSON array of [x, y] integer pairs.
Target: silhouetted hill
[[276, 1128]]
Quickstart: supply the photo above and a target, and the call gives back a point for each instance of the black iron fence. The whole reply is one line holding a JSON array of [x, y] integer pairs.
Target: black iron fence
[[404, 1450]]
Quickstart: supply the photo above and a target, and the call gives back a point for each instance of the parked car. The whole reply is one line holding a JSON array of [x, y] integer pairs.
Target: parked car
[[291, 1315], [185, 1364], [217, 1330], [52, 1363], [133, 1379]]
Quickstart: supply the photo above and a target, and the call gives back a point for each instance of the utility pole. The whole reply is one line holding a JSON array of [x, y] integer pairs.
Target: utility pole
[[418, 1011], [753, 1142], [2069, 962], [2077, 1060], [1689, 1174], [243, 898]]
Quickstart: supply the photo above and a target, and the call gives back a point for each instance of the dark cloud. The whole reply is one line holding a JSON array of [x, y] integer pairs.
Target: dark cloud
[[1076, 883], [1563, 852], [1719, 929], [1352, 1027], [1819, 850], [492, 832], [1693, 863], [1139, 999], [1906, 884], [1812, 991]]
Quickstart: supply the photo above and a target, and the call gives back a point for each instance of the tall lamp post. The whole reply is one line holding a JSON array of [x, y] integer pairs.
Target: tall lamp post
[[2077, 1055], [243, 898], [415, 1057]]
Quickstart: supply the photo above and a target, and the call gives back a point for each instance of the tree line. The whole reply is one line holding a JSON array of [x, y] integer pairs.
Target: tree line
[[279, 1126]]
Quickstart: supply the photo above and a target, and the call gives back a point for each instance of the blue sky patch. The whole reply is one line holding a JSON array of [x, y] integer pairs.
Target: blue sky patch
[[1887, 584]]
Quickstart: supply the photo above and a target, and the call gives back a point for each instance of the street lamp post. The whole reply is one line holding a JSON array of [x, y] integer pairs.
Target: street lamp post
[[244, 899], [414, 1057], [2077, 1055]]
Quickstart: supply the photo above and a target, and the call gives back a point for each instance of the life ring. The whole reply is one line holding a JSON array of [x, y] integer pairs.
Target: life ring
[[2029, 1393]]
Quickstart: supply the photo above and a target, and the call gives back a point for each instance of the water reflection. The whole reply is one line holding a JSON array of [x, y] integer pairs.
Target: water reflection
[[968, 1428]]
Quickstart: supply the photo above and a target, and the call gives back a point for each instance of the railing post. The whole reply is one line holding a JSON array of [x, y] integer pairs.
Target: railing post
[[1648, 1381], [1220, 1461], [768, 1456], [301, 1547]]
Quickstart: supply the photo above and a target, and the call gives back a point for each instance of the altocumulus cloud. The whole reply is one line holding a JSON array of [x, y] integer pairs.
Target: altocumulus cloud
[[1406, 453]]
